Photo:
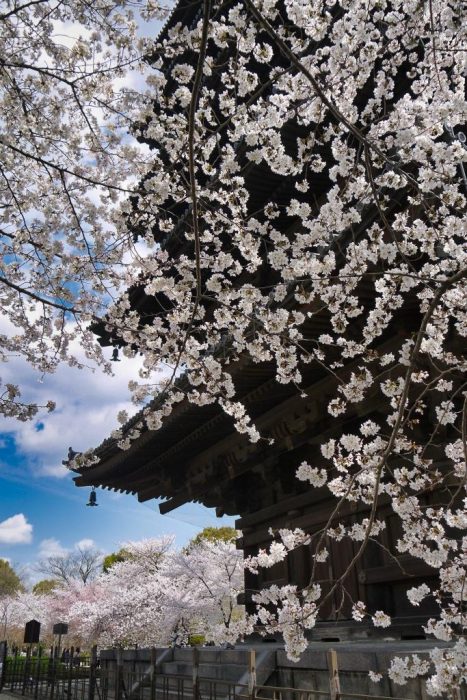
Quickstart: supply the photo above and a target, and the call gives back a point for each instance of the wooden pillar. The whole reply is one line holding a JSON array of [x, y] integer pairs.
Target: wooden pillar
[[119, 675], [3, 653], [195, 662], [38, 672], [51, 673], [70, 671], [252, 674], [333, 669], [26, 669], [153, 673], [92, 673]]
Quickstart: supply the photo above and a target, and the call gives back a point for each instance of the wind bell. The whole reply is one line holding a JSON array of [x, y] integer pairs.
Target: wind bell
[[92, 498]]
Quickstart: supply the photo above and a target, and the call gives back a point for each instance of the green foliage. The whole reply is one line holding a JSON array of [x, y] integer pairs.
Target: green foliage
[[10, 582], [46, 586], [196, 639], [214, 534], [114, 558]]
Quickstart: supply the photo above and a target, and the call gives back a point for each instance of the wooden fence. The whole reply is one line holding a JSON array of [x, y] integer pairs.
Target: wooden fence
[[46, 677]]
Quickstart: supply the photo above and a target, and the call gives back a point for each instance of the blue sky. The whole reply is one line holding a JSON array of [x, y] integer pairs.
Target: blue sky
[[41, 510]]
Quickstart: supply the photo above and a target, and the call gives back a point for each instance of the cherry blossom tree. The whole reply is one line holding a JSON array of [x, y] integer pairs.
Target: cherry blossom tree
[[17, 609], [147, 598], [205, 580], [68, 78], [6, 603], [358, 268], [124, 605]]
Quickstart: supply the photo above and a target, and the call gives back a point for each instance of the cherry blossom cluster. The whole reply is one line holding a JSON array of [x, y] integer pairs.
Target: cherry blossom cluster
[[69, 93], [354, 265]]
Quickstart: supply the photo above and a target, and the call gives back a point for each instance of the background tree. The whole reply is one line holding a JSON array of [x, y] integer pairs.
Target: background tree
[[10, 586], [19, 608], [148, 596], [6, 603], [214, 534], [148, 554], [128, 604], [82, 564], [46, 586], [10, 581], [113, 558], [206, 579]]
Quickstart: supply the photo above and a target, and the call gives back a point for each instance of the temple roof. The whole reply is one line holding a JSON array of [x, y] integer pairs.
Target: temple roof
[[197, 455]]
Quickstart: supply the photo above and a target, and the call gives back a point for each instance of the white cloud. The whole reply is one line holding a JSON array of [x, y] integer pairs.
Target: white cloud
[[15, 530], [87, 403], [51, 547]]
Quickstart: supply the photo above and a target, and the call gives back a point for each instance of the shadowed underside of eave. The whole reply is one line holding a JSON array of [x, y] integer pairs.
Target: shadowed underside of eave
[[197, 455]]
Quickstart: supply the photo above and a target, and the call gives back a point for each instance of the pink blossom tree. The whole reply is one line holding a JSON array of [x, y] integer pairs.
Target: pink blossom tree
[[205, 580], [126, 605], [155, 591], [18, 608]]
